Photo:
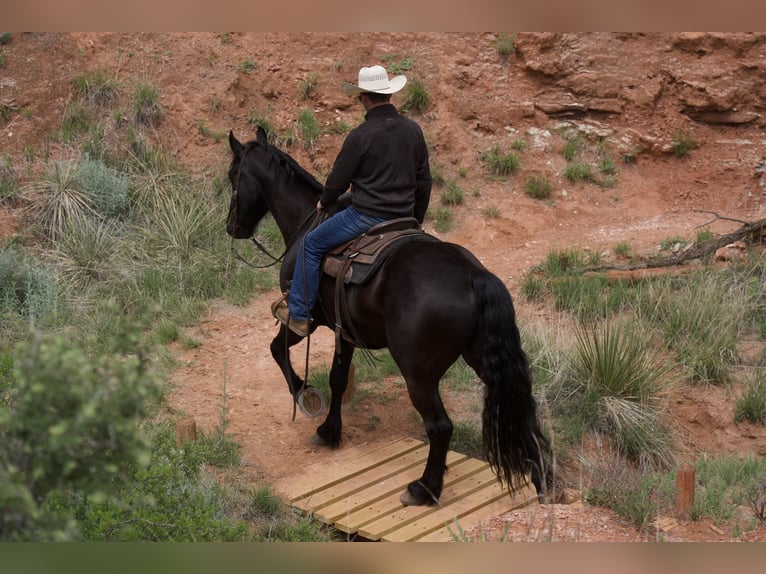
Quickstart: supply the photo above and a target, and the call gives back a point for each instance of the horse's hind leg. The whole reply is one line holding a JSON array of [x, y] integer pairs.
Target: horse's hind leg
[[426, 399], [329, 432]]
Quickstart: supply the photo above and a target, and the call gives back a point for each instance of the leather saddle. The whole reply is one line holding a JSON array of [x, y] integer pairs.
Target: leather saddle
[[357, 261]]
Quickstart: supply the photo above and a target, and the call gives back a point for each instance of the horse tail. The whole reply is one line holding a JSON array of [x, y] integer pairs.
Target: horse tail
[[513, 441]]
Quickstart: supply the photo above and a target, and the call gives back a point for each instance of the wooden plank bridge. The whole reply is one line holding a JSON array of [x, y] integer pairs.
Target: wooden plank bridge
[[360, 495]]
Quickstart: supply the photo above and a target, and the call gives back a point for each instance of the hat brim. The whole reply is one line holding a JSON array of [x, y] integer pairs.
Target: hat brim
[[394, 85]]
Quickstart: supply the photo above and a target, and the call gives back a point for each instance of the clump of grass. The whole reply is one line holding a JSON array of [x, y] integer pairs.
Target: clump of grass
[[701, 319], [623, 249], [97, 87], [74, 122], [443, 219], [637, 495], [396, 64], [723, 485], [505, 44], [309, 127], [572, 147], [579, 171], [453, 194], [256, 120], [308, 85], [417, 97], [147, 109], [538, 187], [682, 143], [491, 212], [751, 405], [247, 67], [500, 163]]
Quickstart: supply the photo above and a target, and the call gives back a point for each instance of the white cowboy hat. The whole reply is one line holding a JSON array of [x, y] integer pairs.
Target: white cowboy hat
[[375, 79]]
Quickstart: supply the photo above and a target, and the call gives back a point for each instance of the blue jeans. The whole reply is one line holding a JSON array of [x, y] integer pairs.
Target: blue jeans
[[338, 229]]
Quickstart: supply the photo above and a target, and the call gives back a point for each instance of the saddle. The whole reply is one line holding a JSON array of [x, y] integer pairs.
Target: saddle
[[355, 263]]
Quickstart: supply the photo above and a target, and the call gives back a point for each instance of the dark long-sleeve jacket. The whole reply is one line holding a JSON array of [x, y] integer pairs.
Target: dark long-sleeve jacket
[[385, 161]]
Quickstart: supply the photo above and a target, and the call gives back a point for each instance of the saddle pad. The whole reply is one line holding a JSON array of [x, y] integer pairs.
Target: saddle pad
[[369, 253]]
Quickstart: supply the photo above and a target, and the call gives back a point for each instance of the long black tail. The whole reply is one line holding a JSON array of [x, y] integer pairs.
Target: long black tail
[[513, 441]]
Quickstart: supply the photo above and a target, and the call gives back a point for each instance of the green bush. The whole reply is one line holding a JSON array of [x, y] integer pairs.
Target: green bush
[[70, 425], [28, 290]]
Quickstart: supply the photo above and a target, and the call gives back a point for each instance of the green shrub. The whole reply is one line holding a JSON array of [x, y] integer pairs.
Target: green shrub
[[28, 290], [106, 188], [70, 425]]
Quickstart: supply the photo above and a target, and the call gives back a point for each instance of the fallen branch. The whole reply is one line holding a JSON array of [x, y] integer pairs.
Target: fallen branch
[[753, 230]]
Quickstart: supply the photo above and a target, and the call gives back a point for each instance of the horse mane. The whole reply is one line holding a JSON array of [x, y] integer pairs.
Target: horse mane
[[292, 168]]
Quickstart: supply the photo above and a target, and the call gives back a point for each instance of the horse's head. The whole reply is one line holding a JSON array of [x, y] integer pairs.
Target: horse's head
[[248, 204]]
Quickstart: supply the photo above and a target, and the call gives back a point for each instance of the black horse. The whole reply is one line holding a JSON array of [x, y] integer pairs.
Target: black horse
[[429, 303]]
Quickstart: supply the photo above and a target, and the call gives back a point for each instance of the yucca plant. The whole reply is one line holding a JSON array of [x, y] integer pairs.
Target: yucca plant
[[57, 198], [86, 249], [622, 386]]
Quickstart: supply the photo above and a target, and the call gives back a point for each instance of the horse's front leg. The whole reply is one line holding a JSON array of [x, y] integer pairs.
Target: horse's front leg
[[329, 432], [280, 350]]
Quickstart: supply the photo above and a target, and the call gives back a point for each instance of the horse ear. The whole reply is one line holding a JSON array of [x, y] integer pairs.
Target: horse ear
[[260, 136], [234, 144]]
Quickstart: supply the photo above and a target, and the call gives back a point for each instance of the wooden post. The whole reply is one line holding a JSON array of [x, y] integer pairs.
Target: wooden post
[[685, 479], [349, 392], [186, 430]]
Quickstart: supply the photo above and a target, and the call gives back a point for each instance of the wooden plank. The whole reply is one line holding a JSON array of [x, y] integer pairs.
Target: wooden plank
[[451, 495], [322, 475], [389, 502], [522, 498], [374, 475]]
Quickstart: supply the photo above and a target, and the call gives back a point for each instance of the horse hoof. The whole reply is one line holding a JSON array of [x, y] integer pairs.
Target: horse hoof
[[408, 500], [317, 440]]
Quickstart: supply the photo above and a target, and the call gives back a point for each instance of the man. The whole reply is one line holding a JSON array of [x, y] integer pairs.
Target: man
[[385, 161]]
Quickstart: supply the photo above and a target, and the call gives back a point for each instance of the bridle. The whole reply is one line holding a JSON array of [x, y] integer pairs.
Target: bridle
[[235, 215], [315, 215]]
